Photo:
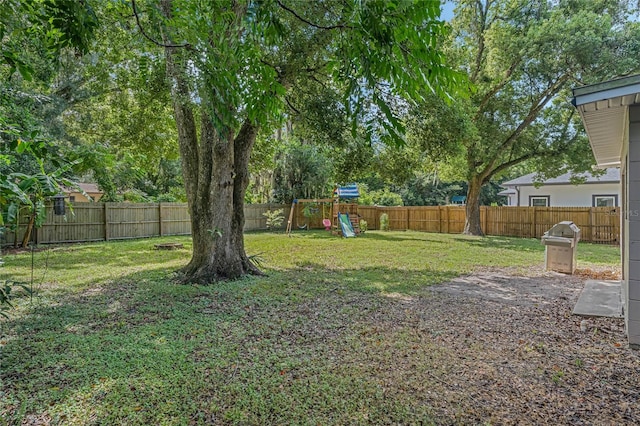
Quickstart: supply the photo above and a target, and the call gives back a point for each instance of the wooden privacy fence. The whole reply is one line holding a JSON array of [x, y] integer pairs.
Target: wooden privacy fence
[[117, 221], [597, 224]]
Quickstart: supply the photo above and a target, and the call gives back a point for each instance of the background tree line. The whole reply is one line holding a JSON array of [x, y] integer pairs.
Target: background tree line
[[255, 101]]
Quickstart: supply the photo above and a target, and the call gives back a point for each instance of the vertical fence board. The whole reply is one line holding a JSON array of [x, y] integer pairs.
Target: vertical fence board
[[254, 218], [371, 215], [175, 219]]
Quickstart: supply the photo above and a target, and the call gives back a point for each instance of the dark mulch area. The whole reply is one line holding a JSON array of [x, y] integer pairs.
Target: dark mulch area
[[507, 350]]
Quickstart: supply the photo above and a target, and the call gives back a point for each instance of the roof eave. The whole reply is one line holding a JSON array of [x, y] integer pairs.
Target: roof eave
[[604, 111], [606, 90]]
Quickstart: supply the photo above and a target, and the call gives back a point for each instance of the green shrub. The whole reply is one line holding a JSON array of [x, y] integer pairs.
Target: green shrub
[[384, 222], [7, 293], [274, 218], [381, 197], [364, 226]]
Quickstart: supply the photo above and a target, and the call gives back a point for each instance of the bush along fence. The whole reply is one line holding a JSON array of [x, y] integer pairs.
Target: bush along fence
[[117, 221]]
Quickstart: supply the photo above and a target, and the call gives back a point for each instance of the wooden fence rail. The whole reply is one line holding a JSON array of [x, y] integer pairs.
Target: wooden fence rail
[[116, 221]]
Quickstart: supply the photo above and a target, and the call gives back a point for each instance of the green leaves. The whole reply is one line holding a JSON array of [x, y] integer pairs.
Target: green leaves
[[246, 57], [392, 51], [65, 24], [45, 25], [15, 63]]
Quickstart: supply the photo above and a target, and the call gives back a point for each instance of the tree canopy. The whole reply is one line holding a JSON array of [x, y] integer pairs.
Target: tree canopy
[[522, 57]]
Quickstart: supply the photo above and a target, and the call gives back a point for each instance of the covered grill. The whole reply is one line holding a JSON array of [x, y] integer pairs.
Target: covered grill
[[561, 244]]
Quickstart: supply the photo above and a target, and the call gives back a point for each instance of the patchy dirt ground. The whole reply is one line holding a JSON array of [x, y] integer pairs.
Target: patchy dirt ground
[[509, 351]]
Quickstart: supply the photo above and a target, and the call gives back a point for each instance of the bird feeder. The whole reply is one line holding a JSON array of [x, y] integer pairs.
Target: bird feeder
[[58, 205]]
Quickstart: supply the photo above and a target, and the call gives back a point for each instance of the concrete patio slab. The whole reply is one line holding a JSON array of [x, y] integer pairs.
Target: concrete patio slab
[[600, 299]]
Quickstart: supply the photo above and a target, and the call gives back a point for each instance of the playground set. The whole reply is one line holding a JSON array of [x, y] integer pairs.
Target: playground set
[[339, 214]]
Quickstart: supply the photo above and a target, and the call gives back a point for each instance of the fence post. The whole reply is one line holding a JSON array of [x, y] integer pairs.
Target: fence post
[[448, 217], [376, 219], [534, 223], [408, 221], [160, 219], [484, 224], [106, 222], [591, 233]]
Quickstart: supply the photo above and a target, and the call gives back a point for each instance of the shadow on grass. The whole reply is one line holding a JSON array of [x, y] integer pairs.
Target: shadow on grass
[[506, 243], [369, 235], [139, 349], [415, 236], [317, 277], [312, 233]]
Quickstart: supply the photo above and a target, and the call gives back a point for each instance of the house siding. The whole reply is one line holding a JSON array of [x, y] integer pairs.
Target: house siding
[[568, 195], [631, 250], [78, 197]]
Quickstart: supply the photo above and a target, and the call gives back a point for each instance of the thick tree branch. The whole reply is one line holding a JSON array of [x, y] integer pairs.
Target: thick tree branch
[[536, 153], [483, 12], [513, 162], [533, 113], [496, 89], [147, 36], [184, 115], [286, 98], [311, 24]]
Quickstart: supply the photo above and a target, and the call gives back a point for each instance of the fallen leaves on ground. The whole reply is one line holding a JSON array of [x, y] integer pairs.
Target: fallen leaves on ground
[[595, 274]]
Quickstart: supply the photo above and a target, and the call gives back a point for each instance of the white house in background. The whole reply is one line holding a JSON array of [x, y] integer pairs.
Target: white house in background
[[595, 191], [610, 112]]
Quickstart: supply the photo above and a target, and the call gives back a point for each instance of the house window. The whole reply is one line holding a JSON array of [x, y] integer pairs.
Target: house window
[[539, 200], [605, 200], [72, 198]]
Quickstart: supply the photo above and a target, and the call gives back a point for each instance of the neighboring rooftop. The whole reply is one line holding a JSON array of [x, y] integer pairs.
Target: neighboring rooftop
[[611, 175], [89, 188]]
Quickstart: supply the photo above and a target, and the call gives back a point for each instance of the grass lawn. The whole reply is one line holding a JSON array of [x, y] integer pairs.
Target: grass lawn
[[110, 339]]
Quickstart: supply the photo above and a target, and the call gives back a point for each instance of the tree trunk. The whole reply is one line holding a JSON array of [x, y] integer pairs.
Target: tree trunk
[[243, 146], [27, 232], [472, 225], [215, 172], [217, 212]]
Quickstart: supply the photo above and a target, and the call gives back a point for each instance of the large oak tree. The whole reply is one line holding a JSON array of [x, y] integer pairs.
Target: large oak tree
[[230, 64], [522, 57]]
